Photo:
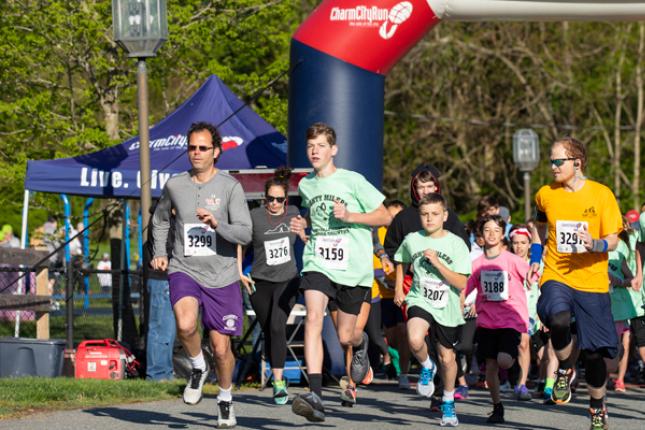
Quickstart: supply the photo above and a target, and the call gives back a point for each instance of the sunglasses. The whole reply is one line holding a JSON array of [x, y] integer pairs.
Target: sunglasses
[[193, 148], [277, 199], [557, 162]]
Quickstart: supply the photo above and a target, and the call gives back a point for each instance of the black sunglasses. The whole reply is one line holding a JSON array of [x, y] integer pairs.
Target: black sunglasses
[[277, 199], [201, 148], [557, 162]]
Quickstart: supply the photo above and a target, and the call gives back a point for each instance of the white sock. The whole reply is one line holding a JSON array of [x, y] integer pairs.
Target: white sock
[[428, 363], [198, 362], [448, 396], [225, 395]]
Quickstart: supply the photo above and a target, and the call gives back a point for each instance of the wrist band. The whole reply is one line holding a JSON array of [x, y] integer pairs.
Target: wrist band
[[599, 245], [536, 253]]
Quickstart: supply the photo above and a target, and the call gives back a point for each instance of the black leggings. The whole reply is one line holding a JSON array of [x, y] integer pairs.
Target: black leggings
[[272, 303], [465, 346], [373, 328]]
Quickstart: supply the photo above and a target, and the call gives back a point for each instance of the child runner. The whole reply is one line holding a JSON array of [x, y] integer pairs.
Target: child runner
[[337, 263], [441, 265], [502, 314]]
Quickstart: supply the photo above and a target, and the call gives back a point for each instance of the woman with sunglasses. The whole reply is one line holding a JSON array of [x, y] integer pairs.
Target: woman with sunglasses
[[273, 281], [583, 221]]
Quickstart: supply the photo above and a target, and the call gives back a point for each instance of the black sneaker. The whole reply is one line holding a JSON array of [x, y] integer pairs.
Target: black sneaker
[[309, 406], [226, 415], [360, 361], [390, 371], [497, 416], [193, 390]]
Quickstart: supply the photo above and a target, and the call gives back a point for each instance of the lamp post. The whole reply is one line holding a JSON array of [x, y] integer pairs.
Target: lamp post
[[526, 155], [141, 27]]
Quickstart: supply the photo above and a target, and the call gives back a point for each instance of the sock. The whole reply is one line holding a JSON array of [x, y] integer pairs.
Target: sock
[[225, 395], [595, 403], [428, 364], [549, 383], [448, 396], [566, 364], [315, 383], [198, 362]]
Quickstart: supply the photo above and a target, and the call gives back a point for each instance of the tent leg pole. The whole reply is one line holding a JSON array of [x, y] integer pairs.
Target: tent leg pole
[[23, 245]]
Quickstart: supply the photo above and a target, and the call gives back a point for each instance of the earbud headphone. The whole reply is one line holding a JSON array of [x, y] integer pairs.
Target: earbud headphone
[[576, 164]]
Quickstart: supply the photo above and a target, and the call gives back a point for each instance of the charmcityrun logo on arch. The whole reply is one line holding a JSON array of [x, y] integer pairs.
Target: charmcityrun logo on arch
[[372, 16]]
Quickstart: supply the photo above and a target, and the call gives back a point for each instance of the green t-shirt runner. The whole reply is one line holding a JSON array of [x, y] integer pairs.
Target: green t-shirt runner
[[625, 302], [336, 249], [429, 290]]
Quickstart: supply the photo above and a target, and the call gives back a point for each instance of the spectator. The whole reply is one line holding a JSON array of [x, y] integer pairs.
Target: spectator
[[105, 279], [9, 240]]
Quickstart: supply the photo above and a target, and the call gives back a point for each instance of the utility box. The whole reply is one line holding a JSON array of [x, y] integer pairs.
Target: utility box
[[104, 359], [31, 357]]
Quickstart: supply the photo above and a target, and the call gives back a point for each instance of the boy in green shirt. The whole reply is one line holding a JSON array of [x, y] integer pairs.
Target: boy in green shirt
[[337, 261], [441, 264]]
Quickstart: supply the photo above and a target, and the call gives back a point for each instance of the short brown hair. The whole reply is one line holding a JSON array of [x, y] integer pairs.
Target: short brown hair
[[574, 149], [433, 198], [319, 128]]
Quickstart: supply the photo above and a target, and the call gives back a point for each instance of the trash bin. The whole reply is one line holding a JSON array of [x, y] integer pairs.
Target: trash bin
[[31, 357]]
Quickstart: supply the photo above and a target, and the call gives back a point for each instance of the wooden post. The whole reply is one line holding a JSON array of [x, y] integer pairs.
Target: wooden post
[[42, 318]]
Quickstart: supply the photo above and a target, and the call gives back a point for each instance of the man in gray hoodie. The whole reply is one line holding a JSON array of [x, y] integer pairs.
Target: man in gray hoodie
[[211, 218]]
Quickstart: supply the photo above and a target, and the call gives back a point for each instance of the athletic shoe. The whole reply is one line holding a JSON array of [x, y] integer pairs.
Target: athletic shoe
[[369, 377], [599, 419], [193, 390], [360, 361], [497, 416], [425, 385], [505, 387], [348, 396], [619, 386], [562, 386], [226, 416], [540, 387], [280, 394], [522, 393], [435, 404], [404, 381], [310, 406], [448, 415], [461, 392], [390, 371], [547, 396]]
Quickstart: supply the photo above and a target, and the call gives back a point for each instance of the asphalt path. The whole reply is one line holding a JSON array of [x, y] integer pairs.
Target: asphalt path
[[380, 406]]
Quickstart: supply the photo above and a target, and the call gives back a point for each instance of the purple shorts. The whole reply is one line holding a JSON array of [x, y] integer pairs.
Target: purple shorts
[[221, 307]]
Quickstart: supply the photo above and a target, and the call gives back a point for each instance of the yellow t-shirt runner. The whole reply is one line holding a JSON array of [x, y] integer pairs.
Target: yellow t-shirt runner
[[593, 207]]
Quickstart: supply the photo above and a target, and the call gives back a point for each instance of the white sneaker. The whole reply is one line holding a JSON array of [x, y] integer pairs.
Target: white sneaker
[[404, 381], [425, 385], [226, 415], [193, 390]]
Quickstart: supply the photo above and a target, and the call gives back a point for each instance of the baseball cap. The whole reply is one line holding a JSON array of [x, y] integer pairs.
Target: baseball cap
[[632, 216]]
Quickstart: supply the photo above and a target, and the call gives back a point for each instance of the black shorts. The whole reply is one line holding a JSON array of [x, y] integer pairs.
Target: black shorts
[[391, 314], [447, 337], [638, 330], [539, 339], [492, 341], [347, 299]]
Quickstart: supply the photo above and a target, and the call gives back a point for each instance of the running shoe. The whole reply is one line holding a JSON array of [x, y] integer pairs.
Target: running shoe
[[562, 386], [360, 361], [193, 390], [619, 386], [369, 377], [280, 394], [425, 386], [599, 419], [548, 392], [226, 415], [448, 415], [497, 416], [461, 392], [348, 396], [390, 371], [404, 381], [435, 404], [522, 393], [505, 387], [310, 406]]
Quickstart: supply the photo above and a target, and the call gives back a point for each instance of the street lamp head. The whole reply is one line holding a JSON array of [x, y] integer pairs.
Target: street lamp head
[[140, 26], [526, 149]]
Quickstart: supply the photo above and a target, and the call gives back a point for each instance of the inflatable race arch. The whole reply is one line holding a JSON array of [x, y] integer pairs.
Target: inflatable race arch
[[342, 52]]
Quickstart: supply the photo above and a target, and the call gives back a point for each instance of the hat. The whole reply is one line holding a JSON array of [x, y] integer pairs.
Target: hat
[[632, 216], [504, 213], [7, 229]]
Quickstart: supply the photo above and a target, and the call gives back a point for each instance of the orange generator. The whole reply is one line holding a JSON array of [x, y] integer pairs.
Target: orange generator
[[104, 359]]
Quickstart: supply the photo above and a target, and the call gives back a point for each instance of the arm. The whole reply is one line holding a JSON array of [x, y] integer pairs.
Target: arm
[[638, 279], [399, 295], [379, 252], [160, 228], [393, 237], [376, 218], [454, 279], [246, 281], [239, 230]]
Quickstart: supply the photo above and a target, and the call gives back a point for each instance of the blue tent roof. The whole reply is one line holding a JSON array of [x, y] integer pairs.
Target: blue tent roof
[[248, 142]]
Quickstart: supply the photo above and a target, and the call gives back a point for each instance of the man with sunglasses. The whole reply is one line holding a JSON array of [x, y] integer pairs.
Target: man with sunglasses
[[211, 218], [583, 221]]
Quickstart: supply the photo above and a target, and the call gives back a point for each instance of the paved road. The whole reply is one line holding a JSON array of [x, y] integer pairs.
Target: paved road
[[381, 406]]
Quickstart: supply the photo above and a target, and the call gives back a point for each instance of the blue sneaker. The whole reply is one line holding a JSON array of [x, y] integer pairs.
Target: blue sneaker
[[461, 392], [448, 415], [425, 386]]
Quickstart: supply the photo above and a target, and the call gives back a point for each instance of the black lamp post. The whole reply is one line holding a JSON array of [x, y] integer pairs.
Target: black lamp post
[[526, 155]]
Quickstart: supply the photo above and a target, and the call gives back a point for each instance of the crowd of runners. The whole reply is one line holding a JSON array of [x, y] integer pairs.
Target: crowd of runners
[[539, 303]]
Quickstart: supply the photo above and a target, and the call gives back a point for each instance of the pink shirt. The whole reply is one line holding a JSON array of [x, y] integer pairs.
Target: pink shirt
[[501, 300]]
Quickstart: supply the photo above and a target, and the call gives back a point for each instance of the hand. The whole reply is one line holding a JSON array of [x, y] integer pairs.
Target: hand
[[533, 275], [636, 284], [388, 267], [472, 312], [159, 263], [399, 298], [340, 211], [585, 237], [297, 225], [248, 283], [431, 256], [206, 217]]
